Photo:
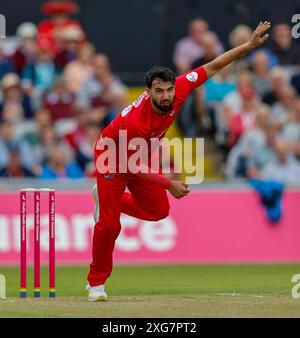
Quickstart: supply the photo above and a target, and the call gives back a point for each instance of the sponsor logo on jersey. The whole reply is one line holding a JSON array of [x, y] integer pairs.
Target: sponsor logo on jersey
[[109, 176], [126, 110], [138, 102], [192, 77]]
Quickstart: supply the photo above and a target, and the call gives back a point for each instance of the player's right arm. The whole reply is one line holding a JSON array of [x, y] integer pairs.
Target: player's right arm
[[177, 189], [257, 39]]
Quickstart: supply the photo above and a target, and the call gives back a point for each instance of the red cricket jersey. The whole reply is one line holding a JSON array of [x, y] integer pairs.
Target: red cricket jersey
[[140, 120]]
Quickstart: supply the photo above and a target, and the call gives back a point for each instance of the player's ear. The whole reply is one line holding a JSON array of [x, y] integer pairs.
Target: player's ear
[[148, 90]]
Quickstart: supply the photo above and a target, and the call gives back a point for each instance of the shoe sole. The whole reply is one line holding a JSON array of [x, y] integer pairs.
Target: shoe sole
[[98, 299]]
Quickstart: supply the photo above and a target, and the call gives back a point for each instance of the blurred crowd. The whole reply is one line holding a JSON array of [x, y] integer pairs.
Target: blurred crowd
[[56, 94], [251, 109]]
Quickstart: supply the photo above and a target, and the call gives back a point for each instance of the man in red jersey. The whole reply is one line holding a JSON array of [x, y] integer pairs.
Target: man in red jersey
[[147, 118]]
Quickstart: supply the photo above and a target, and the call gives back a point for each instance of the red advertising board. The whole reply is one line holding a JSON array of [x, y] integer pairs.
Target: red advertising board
[[208, 226]]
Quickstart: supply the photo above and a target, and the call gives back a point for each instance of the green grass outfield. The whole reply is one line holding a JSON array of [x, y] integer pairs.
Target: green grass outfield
[[163, 291]]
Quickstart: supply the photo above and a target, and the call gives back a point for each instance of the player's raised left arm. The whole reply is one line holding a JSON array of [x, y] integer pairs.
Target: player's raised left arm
[[257, 39]]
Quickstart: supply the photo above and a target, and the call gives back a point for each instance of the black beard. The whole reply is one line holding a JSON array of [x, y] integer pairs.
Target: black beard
[[164, 109]]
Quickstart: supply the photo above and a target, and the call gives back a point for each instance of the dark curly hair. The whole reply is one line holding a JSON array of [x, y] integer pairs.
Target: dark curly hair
[[162, 73]]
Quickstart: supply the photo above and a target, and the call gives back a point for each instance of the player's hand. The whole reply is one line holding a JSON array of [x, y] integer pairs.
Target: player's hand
[[179, 189], [259, 37]]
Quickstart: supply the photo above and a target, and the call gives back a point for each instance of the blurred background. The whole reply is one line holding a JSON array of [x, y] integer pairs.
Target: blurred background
[[67, 68]]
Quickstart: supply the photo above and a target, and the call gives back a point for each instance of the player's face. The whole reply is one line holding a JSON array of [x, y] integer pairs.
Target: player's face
[[162, 95]]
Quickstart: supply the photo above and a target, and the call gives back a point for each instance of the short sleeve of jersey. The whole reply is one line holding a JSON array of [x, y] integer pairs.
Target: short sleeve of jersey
[[188, 82]]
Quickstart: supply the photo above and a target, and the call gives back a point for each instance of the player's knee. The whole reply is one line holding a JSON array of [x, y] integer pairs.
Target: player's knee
[[162, 212], [113, 227]]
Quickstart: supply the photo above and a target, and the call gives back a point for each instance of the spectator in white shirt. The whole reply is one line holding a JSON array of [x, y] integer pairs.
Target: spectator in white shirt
[[261, 69], [79, 70], [285, 168], [282, 110], [251, 140], [101, 81], [291, 131]]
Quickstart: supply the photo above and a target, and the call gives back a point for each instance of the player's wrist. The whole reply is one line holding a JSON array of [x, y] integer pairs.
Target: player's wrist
[[249, 46], [170, 185]]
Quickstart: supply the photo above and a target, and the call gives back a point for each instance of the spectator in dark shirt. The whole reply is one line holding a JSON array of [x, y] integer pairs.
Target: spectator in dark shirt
[[26, 52], [9, 142], [40, 76], [59, 101], [278, 81], [283, 45], [15, 168], [210, 49], [72, 38], [295, 80], [6, 65], [15, 105]]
